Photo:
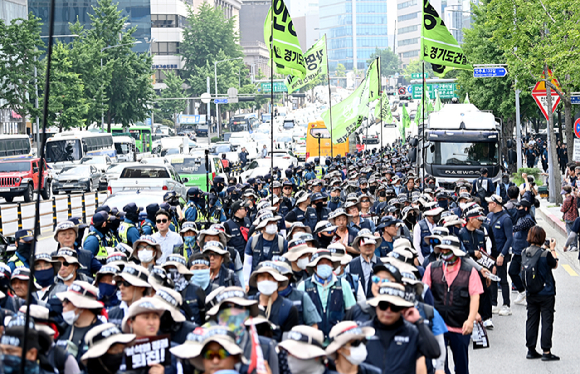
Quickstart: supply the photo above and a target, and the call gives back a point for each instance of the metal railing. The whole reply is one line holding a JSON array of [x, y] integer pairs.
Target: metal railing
[[17, 216]]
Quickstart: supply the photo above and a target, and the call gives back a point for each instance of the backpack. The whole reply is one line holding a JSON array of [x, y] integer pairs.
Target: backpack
[[481, 192], [530, 271]]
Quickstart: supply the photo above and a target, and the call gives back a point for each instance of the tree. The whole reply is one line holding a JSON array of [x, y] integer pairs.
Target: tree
[[416, 66], [389, 61], [340, 70], [67, 105], [20, 51], [170, 108]]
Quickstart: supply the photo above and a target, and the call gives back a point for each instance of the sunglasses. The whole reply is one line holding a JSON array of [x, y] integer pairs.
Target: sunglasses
[[377, 280], [356, 343], [365, 201], [124, 284], [65, 263], [220, 353], [164, 220], [383, 305]]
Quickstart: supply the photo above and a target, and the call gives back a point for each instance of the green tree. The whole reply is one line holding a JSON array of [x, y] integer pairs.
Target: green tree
[[389, 61], [67, 105], [416, 66], [19, 57], [170, 108], [340, 70]]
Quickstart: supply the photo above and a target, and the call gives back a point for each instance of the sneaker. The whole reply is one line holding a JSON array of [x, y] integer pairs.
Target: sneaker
[[488, 324], [573, 249], [550, 357], [495, 309], [533, 354], [514, 289], [505, 311], [521, 298]]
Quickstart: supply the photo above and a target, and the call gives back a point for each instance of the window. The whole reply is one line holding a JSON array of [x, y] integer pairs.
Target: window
[[408, 41], [407, 17], [406, 4], [404, 30], [168, 20], [410, 54], [165, 48]]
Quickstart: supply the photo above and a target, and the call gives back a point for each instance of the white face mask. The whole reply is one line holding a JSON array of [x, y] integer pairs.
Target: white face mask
[[67, 278], [296, 234], [267, 287], [298, 366], [145, 255], [271, 229], [301, 263], [357, 354], [70, 317]]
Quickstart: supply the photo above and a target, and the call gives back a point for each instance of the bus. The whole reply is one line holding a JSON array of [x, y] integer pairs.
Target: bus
[[141, 134], [70, 146], [316, 129], [15, 146]]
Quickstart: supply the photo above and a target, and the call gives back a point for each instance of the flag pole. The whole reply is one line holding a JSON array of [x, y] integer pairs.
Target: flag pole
[[423, 121], [329, 98], [381, 104], [272, 95]]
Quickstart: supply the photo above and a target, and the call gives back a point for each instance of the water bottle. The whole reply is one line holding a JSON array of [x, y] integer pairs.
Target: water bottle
[[492, 277]]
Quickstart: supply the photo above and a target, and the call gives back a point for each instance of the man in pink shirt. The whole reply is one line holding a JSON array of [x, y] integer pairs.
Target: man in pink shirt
[[456, 287]]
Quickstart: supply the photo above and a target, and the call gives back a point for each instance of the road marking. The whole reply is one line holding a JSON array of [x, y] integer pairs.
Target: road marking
[[569, 270]]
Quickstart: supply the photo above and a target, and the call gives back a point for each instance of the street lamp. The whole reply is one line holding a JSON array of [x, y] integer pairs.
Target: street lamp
[[109, 47], [217, 112]]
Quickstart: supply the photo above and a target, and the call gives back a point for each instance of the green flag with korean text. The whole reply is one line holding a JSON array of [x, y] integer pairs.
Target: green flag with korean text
[[383, 112], [284, 45], [316, 66], [438, 46], [347, 116]]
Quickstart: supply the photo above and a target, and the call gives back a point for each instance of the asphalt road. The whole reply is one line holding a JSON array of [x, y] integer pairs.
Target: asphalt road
[[507, 352]]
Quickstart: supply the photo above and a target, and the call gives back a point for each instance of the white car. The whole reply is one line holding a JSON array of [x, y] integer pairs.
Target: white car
[[148, 177], [100, 162], [261, 167]]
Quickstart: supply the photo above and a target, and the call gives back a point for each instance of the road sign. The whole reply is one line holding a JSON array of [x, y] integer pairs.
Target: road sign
[[575, 99], [409, 89], [446, 90], [540, 95], [220, 101], [205, 98], [490, 72], [402, 91], [419, 76], [278, 87], [577, 128], [191, 119], [576, 155], [232, 95]]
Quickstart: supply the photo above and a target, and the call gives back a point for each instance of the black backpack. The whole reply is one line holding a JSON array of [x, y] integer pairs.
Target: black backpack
[[530, 271]]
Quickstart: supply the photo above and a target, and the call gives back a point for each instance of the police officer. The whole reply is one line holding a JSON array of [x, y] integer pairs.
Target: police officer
[[95, 242], [195, 207], [524, 223], [23, 244], [148, 226], [129, 228], [322, 212]]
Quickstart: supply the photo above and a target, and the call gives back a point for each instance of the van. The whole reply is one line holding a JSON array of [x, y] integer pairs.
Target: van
[[126, 149], [288, 124]]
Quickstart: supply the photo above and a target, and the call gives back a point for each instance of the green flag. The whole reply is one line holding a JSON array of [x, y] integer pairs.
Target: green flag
[[438, 104], [438, 46], [419, 114], [384, 112], [284, 44], [316, 65], [466, 101], [402, 132], [405, 119], [347, 116]]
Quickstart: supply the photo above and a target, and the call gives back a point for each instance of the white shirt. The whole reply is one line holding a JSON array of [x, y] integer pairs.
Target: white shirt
[[167, 243], [417, 237]]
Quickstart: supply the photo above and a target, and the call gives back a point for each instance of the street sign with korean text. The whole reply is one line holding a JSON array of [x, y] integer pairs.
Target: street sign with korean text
[[540, 95], [220, 101], [419, 75], [446, 90], [576, 154], [489, 72], [278, 87], [575, 99], [191, 119]]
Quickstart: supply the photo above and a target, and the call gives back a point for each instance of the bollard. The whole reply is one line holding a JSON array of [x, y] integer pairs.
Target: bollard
[[69, 206], [54, 213], [1, 228], [19, 210], [96, 200], [84, 209]]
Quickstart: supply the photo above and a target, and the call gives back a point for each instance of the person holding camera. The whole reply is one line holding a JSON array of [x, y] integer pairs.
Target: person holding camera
[[540, 260]]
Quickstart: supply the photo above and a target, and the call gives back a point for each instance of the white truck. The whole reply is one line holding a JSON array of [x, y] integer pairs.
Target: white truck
[[148, 177], [126, 150], [460, 140]]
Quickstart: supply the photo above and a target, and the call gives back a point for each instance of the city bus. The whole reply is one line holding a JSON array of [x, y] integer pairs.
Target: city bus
[[71, 146], [141, 134], [15, 146], [316, 129]]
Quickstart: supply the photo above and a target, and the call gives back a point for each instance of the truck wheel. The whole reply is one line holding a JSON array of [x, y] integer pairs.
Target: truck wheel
[[28, 194], [9, 199], [46, 192]]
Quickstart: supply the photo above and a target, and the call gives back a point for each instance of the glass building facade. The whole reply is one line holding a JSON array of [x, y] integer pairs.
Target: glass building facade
[[137, 11], [338, 20]]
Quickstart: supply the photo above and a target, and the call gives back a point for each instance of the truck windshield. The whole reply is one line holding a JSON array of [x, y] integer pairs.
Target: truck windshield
[[10, 167], [188, 165], [475, 154], [63, 150], [122, 148]]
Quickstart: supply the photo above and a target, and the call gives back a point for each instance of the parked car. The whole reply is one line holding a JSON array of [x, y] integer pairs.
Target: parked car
[[100, 162], [79, 178], [19, 177], [148, 177], [114, 170], [141, 198]]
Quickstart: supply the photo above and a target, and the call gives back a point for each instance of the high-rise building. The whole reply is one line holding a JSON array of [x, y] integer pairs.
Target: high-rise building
[[354, 29], [457, 16], [252, 16], [408, 32]]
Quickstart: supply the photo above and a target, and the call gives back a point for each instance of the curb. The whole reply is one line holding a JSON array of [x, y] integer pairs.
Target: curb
[[553, 221]]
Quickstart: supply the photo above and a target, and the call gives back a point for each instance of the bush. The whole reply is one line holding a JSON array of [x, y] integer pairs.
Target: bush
[[215, 139], [535, 172]]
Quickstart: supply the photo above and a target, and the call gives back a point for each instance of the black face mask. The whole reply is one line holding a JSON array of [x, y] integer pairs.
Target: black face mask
[[383, 194], [324, 241], [364, 190], [107, 363], [219, 187], [505, 180], [134, 217], [373, 189], [319, 205], [522, 213], [24, 249], [443, 204]]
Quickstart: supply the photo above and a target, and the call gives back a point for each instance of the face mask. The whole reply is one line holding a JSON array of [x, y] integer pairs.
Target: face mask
[[298, 366], [67, 278], [201, 278], [319, 205], [372, 189], [335, 199], [24, 249], [271, 229], [324, 271], [505, 180], [267, 287], [219, 187], [357, 354], [11, 365], [521, 213], [443, 204], [449, 258], [364, 189], [70, 317], [233, 319], [189, 241], [145, 255], [302, 263], [44, 277], [107, 363], [107, 290]]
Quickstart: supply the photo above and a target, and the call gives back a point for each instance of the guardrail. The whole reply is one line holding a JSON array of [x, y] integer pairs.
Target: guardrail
[[19, 216]]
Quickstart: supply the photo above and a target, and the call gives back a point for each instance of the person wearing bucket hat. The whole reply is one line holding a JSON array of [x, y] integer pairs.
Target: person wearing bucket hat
[[133, 285], [388, 230], [345, 234], [173, 322], [218, 258], [302, 212], [451, 274], [299, 253], [218, 352], [23, 243], [424, 228], [147, 251], [264, 245], [199, 265], [339, 252], [188, 234], [332, 296], [306, 354], [45, 270], [67, 263], [193, 296], [217, 232], [348, 348], [19, 284], [357, 221], [128, 231], [81, 310], [105, 348], [318, 203], [324, 233], [65, 235], [335, 201], [107, 288], [278, 310], [366, 244]]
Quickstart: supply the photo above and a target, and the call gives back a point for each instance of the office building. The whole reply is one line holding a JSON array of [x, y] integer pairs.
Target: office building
[[408, 32], [457, 15], [252, 16], [353, 31]]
